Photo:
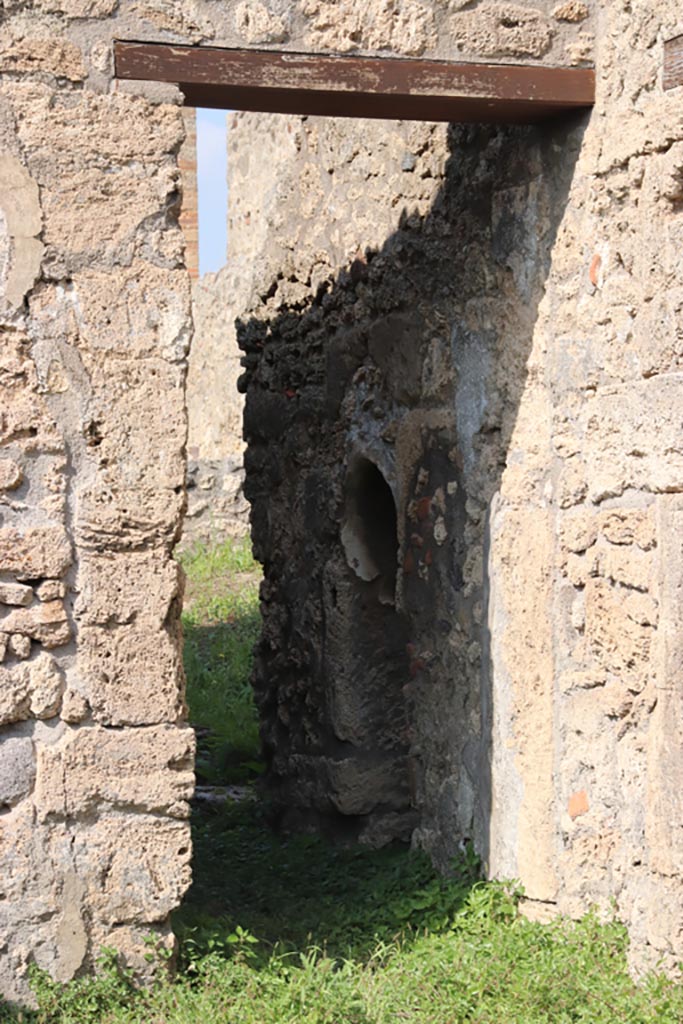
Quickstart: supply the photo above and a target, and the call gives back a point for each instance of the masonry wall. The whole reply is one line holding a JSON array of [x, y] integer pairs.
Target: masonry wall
[[572, 535], [261, 161], [504, 359], [399, 375]]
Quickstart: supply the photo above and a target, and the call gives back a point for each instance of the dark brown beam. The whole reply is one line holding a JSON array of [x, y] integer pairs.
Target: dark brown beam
[[294, 83], [673, 63]]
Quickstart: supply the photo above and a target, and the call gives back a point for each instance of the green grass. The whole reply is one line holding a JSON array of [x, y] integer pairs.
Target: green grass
[[221, 624], [292, 930], [296, 892]]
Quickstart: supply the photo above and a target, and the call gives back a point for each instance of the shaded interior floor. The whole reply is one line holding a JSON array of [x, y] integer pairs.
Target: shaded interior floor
[[297, 892], [289, 891]]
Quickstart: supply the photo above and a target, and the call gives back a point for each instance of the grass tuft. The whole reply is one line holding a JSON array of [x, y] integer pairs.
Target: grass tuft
[[221, 624]]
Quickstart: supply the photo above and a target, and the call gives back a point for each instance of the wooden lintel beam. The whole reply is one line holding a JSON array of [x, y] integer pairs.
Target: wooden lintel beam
[[294, 83], [673, 63]]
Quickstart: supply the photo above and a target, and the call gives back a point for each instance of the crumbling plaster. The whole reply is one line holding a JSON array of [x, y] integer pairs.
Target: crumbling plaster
[[583, 539]]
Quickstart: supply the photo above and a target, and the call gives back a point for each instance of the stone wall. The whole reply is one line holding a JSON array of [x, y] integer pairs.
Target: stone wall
[[262, 159], [508, 361], [379, 415], [95, 756], [559, 33], [216, 506], [485, 388]]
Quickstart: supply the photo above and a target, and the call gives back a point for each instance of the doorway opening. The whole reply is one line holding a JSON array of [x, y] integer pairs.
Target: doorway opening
[[379, 385]]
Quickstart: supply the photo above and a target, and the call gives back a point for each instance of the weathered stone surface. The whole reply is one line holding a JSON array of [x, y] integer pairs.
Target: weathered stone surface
[[74, 707], [46, 622], [20, 225], [35, 552], [122, 684], [571, 10], [17, 769], [95, 768], [14, 693], [255, 23], [30, 689], [522, 735], [15, 593], [46, 684], [145, 888], [405, 26], [51, 590], [54, 56], [11, 475], [19, 645], [631, 440], [188, 20], [525, 689], [495, 29], [66, 157]]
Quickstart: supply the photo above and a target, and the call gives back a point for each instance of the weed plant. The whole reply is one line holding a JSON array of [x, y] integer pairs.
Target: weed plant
[[293, 930]]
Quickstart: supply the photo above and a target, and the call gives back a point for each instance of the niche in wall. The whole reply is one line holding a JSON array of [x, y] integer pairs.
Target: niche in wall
[[369, 530]]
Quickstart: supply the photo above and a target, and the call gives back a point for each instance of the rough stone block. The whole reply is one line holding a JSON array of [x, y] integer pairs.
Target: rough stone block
[[619, 643], [406, 27], [631, 440], [46, 622], [75, 707], [27, 423], [145, 887], [147, 769], [629, 566], [11, 475], [66, 160], [122, 683], [15, 593], [55, 56], [19, 646], [35, 552], [30, 689], [17, 769], [51, 590], [14, 693], [630, 526], [46, 685], [142, 311], [129, 518], [138, 586], [496, 29], [255, 23]]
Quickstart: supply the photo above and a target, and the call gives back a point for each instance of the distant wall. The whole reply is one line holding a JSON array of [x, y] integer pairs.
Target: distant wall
[[261, 160]]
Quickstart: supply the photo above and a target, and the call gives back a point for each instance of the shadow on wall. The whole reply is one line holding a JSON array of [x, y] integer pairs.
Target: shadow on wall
[[379, 419]]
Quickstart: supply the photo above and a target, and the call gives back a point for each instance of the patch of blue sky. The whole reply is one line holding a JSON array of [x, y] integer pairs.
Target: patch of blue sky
[[212, 189]]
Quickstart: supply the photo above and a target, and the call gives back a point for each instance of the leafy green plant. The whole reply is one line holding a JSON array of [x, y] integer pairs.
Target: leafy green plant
[[86, 1000]]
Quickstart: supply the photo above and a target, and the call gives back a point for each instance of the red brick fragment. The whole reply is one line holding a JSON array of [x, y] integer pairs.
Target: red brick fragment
[[596, 263], [578, 804]]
